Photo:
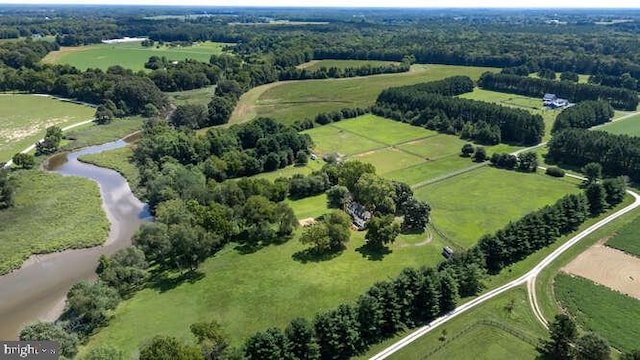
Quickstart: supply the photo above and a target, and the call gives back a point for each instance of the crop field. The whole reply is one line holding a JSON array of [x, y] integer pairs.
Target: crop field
[[614, 316], [129, 55], [44, 221], [481, 201], [489, 331], [234, 286], [25, 118], [629, 126], [627, 239], [342, 64], [288, 101]]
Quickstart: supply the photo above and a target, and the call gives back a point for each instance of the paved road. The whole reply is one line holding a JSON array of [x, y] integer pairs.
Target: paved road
[[532, 274]]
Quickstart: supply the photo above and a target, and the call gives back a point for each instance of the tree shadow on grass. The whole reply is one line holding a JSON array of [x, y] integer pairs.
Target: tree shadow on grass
[[313, 255], [165, 281], [373, 253]]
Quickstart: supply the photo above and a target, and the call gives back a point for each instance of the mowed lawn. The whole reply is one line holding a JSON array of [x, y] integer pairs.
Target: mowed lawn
[[629, 126], [479, 333], [51, 213], [484, 200], [612, 315], [248, 293], [130, 55], [343, 64], [627, 239], [25, 118], [292, 100], [196, 96]]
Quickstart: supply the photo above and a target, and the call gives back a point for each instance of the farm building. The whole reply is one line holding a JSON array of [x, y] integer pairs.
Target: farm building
[[554, 102]]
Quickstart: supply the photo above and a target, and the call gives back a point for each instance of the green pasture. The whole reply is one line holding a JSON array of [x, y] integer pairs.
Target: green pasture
[[614, 316], [196, 96], [484, 200], [129, 55], [331, 139], [51, 213], [343, 64], [629, 126], [627, 239], [251, 292], [383, 130], [93, 134], [488, 331], [25, 118], [435, 147], [291, 100], [429, 169], [389, 160]]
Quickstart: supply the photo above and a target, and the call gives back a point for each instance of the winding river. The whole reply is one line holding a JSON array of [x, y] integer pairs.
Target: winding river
[[37, 290]]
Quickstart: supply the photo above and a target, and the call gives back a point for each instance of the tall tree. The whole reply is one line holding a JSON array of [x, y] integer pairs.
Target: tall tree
[[592, 346], [44, 331], [169, 348], [301, 340], [382, 231], [211, 339], [592, 171], [596, 196], [448, 292], [6, 190], [269, 344], [563, 333]]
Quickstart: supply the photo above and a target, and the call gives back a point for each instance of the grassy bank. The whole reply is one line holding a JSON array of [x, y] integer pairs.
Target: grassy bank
[[118, 160], [99, 134], [51, 213]]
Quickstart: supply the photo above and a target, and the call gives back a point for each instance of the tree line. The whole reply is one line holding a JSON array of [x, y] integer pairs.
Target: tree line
[[336, 72], [583, 115], [618, 154], [485, 122], [621, 99]]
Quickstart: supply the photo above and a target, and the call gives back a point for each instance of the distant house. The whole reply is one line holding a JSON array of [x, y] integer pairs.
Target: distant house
[[358, 213], [554, 102]]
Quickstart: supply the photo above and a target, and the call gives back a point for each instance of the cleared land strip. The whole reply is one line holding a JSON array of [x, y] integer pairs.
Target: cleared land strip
[[515, 283]]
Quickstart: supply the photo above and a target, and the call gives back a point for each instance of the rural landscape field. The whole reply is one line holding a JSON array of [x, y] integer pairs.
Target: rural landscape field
[[320, 183]]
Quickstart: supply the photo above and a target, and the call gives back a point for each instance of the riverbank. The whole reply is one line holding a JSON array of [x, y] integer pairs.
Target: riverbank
[[40, 285]]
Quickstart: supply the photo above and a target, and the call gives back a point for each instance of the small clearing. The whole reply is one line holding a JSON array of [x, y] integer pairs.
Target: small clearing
[[609, 267]]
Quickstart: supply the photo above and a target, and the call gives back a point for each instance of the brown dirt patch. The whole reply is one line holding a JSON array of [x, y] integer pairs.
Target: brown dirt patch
[[307, 221], [609, 267], [307, 64]]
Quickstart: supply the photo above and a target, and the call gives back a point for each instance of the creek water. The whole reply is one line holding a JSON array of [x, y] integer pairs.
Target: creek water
[[37, 290]]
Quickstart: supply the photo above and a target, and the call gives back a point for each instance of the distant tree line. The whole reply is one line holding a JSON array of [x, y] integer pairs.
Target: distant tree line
[[584, 115], [618, 154], [336, 72], [485, 122], [621, 99]]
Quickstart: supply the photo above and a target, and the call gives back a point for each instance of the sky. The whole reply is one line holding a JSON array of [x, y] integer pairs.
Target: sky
[[358, 3]]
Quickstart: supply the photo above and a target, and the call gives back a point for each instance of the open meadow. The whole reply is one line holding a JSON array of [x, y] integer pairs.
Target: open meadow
[[234, 287], [25, 118], [200, 96], [288, 101], [51, 213], [92, 134], [614, 316], [629, 126], [130, 55]]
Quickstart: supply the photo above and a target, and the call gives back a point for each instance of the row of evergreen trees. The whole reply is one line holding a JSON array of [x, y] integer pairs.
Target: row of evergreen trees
[[431, 105], [621, 99], [584, 115], [618, 154]]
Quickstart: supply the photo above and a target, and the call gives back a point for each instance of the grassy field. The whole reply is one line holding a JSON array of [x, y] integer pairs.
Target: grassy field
[[197, 96], [234, 288], [614, 316], [481, 201], [99, 134], [485, 332], [627, 239], [51, 213], [118, 160], [129, 55], [291, 100], [629, 126], [342, 64], [24, 119]]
